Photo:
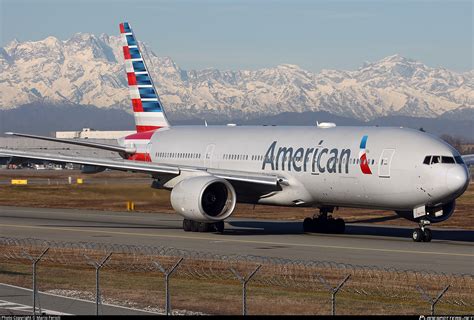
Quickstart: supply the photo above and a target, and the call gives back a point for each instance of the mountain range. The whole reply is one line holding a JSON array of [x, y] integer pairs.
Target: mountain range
[[88, 70]]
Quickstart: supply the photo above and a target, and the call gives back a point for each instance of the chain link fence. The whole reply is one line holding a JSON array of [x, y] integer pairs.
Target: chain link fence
[[276, 281]]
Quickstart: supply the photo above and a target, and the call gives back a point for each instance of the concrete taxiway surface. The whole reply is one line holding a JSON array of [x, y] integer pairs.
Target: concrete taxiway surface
[[16, 300], [451, 251]]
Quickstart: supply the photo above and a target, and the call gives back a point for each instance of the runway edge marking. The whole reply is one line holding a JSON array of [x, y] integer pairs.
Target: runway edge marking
[[78, 299]]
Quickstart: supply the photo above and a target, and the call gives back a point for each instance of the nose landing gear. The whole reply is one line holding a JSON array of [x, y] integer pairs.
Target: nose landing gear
[[324, 223], [422, 233]]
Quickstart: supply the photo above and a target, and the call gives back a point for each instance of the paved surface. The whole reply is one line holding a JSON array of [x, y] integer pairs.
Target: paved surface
[[16, 300], [451, 251]]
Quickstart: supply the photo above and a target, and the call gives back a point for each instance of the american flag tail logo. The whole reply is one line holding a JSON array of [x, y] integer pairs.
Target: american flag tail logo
[[364, 164], [147, 107]]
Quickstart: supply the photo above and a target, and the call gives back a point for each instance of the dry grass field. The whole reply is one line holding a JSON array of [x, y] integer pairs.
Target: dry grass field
[[222, 295], [111, 191]]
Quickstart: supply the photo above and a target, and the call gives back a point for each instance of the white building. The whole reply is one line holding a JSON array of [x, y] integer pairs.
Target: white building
[[88, 133]]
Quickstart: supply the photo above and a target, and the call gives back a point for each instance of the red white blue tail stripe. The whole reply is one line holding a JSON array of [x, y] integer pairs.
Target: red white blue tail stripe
[[364, 165], [147, 108]]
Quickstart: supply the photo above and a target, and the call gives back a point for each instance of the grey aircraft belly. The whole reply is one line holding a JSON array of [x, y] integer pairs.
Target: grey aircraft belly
[[210, 168]]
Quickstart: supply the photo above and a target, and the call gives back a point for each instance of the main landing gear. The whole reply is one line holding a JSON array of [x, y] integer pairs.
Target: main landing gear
[[196, 226], [422, 233], [324, 223]]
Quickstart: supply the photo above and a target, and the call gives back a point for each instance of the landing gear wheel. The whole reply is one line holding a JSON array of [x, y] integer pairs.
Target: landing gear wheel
[[187, 225], [194, 226], [340, 225], [417, 235], [308, 225], [427, 236], [324, 222], [203, 226], [320, 225], [219, 226]]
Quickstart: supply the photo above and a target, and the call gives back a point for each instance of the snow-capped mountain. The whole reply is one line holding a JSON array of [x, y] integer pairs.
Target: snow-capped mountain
[[88, 70]]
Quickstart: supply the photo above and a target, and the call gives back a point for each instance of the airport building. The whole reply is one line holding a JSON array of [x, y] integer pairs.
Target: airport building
[[88, 133]]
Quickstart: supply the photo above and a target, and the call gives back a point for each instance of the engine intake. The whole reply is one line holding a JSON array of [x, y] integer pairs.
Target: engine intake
[[204, 198]]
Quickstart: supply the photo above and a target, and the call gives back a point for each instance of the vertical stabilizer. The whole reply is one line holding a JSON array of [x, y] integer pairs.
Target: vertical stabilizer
[[147, 107]]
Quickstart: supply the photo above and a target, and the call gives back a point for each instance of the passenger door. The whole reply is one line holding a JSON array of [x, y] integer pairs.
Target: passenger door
[[208, 155], [385, 163]]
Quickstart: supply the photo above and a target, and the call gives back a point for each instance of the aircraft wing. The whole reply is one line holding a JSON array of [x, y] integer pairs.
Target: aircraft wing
[[147, 167], [96, 145], [468, 159]]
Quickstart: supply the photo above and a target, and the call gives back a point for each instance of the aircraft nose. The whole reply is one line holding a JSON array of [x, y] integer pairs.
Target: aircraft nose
[[457, 179]]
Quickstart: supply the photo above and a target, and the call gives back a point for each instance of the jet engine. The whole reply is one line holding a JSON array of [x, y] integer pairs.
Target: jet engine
[[204, 198], [433, 214]]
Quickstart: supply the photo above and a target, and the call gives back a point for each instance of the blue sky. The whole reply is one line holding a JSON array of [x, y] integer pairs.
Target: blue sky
[[254, 34]]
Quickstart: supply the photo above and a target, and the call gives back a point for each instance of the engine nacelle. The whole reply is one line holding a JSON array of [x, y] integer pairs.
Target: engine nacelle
[[433, 214], [204, 198]]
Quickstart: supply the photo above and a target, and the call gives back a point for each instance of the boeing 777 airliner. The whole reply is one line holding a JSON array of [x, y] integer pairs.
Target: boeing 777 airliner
[[210, 168]]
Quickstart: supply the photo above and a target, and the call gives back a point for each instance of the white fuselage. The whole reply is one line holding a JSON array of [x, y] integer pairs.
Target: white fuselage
[[323, 166]]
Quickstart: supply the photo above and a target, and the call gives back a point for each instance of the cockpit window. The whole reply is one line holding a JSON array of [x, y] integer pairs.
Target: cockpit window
[[459, 159], [447, 160], [442, 159]]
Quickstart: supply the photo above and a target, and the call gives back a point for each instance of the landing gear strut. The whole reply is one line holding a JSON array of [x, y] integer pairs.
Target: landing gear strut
[[422, 233], [196, 226], [324, 223]]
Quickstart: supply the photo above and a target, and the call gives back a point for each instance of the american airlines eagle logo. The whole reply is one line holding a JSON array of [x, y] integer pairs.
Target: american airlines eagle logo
[[364, 164]]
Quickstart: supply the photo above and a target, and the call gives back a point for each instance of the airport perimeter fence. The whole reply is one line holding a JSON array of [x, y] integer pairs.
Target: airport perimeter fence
[[152, 277]]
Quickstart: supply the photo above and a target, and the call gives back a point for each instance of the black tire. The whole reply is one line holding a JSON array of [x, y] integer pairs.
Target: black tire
[[308, 225], [187, 225], [321, 225], [427, 235], [417, 235], [194, 225], [203, 227], [219, 226], [340, 225]]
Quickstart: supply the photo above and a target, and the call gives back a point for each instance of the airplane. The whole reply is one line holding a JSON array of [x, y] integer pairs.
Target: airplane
[[208, 169]]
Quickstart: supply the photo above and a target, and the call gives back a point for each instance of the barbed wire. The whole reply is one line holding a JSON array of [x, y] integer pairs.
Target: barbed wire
[[276, 272]]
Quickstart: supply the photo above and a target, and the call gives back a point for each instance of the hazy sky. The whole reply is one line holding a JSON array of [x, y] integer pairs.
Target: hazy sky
[[255, 34]]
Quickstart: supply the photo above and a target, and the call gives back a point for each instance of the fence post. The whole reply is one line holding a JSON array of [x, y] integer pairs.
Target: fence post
[[167, 274], [432, 301], [334, 291], [35, 262], [244, 282], [98, 266]]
